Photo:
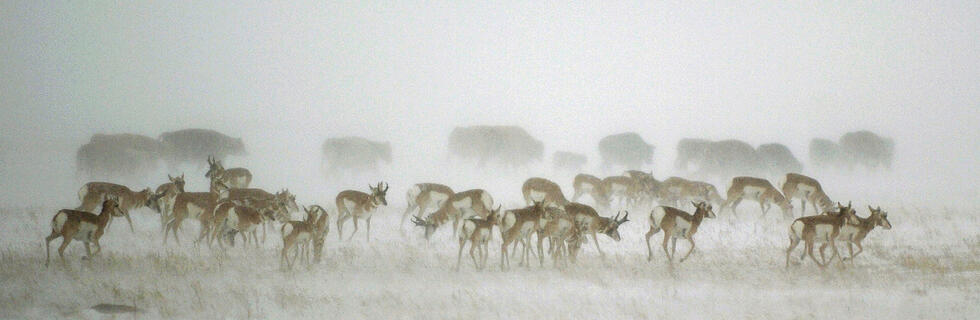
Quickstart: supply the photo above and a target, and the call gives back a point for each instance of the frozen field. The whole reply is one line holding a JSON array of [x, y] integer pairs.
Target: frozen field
[[927, 266]]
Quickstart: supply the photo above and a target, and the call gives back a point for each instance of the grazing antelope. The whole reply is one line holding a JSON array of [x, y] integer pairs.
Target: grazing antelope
[[233, 178], [162, 201], [854, 234], [593, 186], [676, 224], [478, 232], [83, 226], [359, 205], [823, 228], [461, 206], [674, 190], [648, 185], [195, 205], [298, 234], [588, 221], [242, 216], [543, 190], [625, 189], [756, 189], [807, 189], [517, 225], [93, 193], [422, 196]]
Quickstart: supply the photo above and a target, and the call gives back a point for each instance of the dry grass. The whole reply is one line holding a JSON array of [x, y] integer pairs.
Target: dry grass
[[912, 271]]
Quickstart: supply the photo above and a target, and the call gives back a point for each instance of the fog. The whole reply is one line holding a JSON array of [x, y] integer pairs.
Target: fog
[[284, 77]]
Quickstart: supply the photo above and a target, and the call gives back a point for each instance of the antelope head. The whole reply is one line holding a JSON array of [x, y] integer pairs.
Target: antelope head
[[704, 208], [612, 226], [378, 193], [880, 217], [289, 199], [430, 227], [215, 169], [178, 182], [111, 203]]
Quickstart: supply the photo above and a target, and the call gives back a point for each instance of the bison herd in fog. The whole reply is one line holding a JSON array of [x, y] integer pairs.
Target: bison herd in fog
[[676, 206]]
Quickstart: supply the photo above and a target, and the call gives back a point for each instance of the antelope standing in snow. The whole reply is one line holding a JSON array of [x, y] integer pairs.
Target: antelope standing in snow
[[233, 177], [462, 205], [194, 205], [674, 190], [478, 232], [626, 190], [298, 234], [592, 186], [422, 196], [806, 189], [359, 205], [242, 216], [756, 189], [93, 193], [162, 201], [83, 226], [543, 190], [823, 228], [676, 224], [559, 230], [853, 234], [517, 225], [588, 221]]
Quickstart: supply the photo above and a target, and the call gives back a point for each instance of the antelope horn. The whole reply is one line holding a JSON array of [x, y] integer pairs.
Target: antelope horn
[[386, 187], [626, 217], [418, 221]]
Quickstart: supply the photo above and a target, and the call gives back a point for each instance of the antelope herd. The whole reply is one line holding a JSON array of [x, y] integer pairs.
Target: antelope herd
[[231, 207]]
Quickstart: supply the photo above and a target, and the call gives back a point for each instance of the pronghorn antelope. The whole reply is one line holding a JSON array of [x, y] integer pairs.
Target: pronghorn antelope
[[93, 193], [756, 189], [854, 234], [422, 196], [195, 205], [233, 177], [676, 224], [359, 205], [462, 205], [518, 225], [593, 186], [478, 232], [823, 228], [807, 189], [232, 217], [626, 190], [298, 234], [674, 190], [79, 225], [560, 229], [543, 190], [648, 185], [162, 200], [588, 221]]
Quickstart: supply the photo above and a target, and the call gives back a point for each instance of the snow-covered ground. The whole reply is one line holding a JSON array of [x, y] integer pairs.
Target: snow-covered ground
[[927, 266]]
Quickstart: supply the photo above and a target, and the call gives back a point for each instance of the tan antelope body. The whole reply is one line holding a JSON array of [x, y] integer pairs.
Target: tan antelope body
[[233, 177], [423, 196], [246, 216], [675, 190], [588, 221], [83, 226], [625, 189], [563, 236], [543, 190], [194, 205], [853, 234], [93, 193], [460, 206], [648, 186], [592, 186], [298, 235], [676, 224], [162, 201], [806, 189], [825, 228], [518, 225], [477, 231], [756, 189], [359, 205]]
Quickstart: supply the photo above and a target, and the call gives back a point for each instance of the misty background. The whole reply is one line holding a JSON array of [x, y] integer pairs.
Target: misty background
[[286, 76]]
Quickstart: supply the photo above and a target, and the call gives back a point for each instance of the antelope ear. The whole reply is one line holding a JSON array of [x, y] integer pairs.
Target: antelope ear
[[871, 209], [694, 204]]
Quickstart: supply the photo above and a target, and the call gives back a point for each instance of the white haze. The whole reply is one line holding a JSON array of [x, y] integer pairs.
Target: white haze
[[286, 76]]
